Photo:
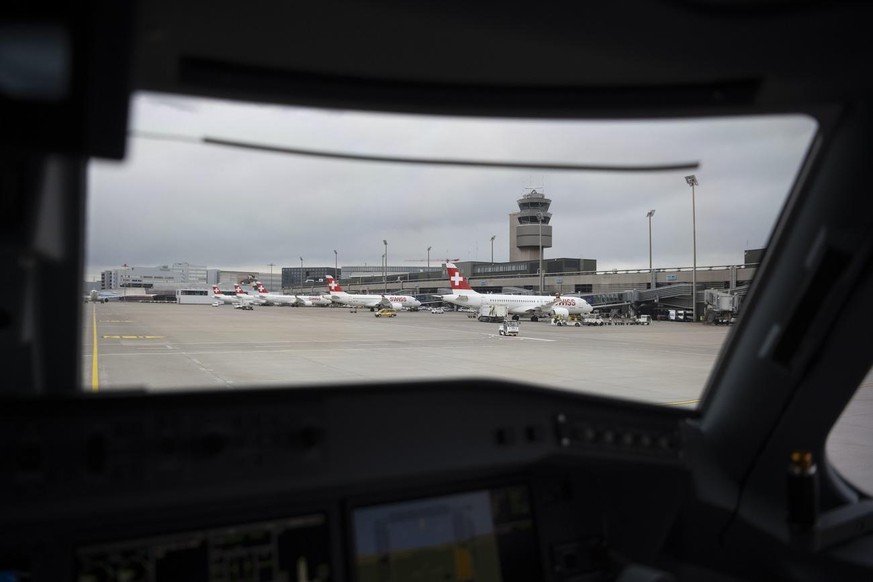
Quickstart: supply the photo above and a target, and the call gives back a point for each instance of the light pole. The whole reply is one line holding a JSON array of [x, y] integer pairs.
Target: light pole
[[271, 276], [428, 258], [335, 263], [492, 249], [540, 221], [385, 276], [301, 275], [692, 181], [649, 215]]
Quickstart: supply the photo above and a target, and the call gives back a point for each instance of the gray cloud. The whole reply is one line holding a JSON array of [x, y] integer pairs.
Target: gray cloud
[[230, 208]]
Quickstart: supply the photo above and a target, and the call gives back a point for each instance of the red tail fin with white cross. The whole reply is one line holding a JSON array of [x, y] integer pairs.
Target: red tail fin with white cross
[[456, 279], [333, 285]]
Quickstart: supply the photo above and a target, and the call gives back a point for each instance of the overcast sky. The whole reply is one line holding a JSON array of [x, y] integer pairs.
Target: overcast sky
[[235, 209]]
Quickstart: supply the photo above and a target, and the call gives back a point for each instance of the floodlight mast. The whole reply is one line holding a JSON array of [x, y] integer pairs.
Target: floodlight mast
[[692, 181], [540, 221], [385, 272], [649, 215]]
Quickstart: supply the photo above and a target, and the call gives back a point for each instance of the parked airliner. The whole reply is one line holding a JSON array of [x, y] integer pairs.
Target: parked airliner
[[535, 306], [273, 298], [298, 300], [372, 301], [237, 299]]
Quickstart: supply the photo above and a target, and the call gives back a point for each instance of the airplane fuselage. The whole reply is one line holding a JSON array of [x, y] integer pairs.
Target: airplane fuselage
[[278, 298], [310, 300], [374, 300], [521, 304]]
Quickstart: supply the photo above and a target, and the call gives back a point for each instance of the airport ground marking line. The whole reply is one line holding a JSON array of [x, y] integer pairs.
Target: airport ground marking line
[[95, 376], [534, 339], [274, 351]]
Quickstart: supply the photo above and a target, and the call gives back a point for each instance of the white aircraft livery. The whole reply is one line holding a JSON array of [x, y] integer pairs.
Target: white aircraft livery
[[238, 299], [535, 306], [298, 300], [372, 301], [274, 298], [314, 300]]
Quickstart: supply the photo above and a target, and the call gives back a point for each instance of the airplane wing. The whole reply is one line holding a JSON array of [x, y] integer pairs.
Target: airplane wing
[[461, 298], [544, 308]]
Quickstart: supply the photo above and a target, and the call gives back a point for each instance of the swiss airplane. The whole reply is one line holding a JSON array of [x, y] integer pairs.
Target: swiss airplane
[[317, 300], [299, 300], [273, 298], [246, 297], [535, 306], [372, 301], [238, 299]]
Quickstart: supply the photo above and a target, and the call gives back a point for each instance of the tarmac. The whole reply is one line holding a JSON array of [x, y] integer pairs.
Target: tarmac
[[168, 347], [164, 347]]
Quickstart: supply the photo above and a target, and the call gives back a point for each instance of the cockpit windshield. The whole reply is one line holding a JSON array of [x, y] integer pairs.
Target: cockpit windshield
[[243, 245]]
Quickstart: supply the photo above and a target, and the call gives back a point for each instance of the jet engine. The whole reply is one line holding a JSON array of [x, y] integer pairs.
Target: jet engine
[[396, 306], [561, 312]]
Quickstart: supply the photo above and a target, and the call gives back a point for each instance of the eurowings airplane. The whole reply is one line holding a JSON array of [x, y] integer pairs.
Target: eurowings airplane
[[372, 301], [535, 306]]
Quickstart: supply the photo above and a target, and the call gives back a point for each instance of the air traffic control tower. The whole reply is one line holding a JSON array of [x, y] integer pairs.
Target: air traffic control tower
[[529, 228]]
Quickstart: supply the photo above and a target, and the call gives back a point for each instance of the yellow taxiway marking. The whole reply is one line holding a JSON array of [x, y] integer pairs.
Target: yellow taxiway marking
[[680, 402], [95, 376], [117, 321], [132, 336]]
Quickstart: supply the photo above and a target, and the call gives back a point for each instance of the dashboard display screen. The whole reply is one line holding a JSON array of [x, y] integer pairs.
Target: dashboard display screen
[[486, 536], [287, 550]]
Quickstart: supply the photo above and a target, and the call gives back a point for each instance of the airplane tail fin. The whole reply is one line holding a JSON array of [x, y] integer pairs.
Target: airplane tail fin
[[238, 289], [458, 282], [260, 287], [333, 285], [216, 290]]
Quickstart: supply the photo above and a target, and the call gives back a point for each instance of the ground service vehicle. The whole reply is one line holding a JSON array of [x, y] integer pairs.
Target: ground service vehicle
[[523, 482], [592, 319], [386, 313], [493, 313], [508, 327]]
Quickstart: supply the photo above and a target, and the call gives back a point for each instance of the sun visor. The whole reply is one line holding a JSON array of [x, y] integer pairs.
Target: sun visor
[[64, 78]]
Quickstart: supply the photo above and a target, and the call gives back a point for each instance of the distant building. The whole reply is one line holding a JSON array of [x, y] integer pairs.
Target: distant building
[[162, 277], [225, 279], [314, 275]]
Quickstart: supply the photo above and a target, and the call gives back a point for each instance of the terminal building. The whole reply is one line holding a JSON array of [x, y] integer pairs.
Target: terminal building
[[530, 233], [163, 277]]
